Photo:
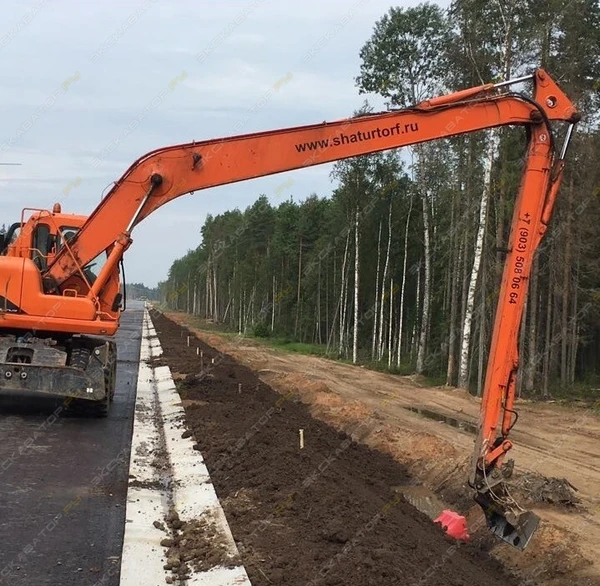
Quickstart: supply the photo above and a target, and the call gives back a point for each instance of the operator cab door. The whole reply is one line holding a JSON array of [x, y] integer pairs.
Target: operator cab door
[[45, 244]]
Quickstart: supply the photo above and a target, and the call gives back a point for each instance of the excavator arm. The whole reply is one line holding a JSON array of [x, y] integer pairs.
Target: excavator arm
[[167, 173], [489, 472]]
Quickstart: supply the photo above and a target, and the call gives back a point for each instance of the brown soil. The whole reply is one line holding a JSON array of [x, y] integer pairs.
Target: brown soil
[[553, 443], [325, 514], [195, 544]]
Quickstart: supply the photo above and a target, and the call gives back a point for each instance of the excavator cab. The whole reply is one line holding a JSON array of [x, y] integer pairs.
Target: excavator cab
[[30, 247]]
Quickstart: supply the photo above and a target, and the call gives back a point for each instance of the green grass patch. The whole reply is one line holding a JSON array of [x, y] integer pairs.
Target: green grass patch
[[297, 347], [581, 392], [434, 380]]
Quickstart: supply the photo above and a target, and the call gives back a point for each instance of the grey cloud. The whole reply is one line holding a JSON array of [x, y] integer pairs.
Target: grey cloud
[[114, 88]]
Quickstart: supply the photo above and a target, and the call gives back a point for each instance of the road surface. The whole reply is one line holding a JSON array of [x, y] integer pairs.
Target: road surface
[[63, 483]]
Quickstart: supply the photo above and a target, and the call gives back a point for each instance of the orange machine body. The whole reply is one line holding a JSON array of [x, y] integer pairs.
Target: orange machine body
[[74, 287], [34, 243]]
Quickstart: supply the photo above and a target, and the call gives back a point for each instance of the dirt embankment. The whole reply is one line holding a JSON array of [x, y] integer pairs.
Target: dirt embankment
[[430, 432], [324, 514]]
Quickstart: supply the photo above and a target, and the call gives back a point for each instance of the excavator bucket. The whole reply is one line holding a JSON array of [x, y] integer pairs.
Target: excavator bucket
[[513, 526]]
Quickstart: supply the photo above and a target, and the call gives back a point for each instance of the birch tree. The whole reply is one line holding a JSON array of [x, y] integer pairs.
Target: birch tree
[[463, 371]]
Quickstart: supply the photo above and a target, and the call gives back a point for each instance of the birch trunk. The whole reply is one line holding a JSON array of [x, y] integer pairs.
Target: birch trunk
[[343, 289], [298, 288], [233, 297], [215, 299], [207, 307], [426, 287], [188, 293], [331, 332], [451, 369], [403, 286], [226, 310], [356, 283], [454, 280], [326, 303], [240, 309], [482, 314], [390, 349], [273, 304], [383, 281], [318, 311], [413, 338], [375, 313], [463, 371]]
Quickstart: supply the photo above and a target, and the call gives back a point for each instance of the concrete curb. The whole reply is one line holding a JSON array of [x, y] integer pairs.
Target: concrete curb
[[186, 486]]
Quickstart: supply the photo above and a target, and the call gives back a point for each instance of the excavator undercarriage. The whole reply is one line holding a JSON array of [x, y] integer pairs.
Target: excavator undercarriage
[[78, 370]]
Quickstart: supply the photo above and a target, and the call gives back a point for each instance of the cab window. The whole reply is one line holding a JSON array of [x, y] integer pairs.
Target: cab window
[[10, 236], [66, 233], [14, 234], [41, 240], [92, 269]]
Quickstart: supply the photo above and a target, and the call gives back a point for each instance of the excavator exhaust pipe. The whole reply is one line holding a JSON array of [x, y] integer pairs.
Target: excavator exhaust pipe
[[515, 527]]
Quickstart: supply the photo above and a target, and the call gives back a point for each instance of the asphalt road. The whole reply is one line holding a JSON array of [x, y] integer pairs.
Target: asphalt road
[[63, 483]]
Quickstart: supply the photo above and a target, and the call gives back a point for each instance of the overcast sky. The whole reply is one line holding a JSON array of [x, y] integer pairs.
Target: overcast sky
[[76, 73]]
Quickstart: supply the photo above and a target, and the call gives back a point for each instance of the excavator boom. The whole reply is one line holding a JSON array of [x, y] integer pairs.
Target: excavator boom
[[51, 287], [195, 166]]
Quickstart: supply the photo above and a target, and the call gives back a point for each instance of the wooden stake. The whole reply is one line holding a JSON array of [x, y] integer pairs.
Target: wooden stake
[[212, 360], [188, 340], [239, 388], [197, 351], [301, 439], [201, 360]]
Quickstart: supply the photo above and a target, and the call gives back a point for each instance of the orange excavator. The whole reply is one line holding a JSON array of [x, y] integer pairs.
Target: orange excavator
[[60, 289]]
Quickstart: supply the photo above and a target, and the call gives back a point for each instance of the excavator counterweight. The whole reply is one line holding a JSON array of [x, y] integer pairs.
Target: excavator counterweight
[[60, 288]]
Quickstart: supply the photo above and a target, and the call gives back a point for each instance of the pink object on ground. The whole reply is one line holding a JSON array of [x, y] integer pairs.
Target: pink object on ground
[[453, 524]]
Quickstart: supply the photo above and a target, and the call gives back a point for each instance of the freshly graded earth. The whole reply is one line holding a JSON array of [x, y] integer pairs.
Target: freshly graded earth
[[325, 514]]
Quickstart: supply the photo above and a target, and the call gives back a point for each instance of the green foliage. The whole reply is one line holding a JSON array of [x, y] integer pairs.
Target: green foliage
[[286, 271], [299, 347], [261, 330], [140, 291], [406, 60]]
